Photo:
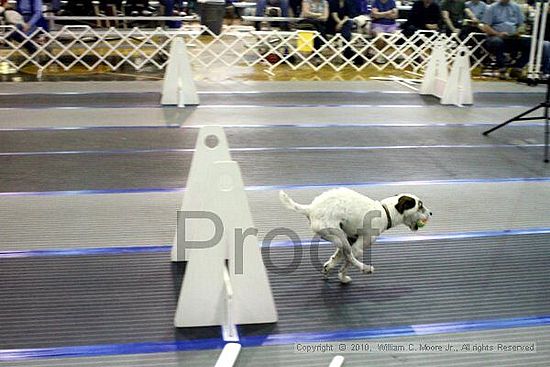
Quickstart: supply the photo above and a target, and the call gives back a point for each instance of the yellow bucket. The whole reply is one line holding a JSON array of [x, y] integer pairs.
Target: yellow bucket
[[305, 41]]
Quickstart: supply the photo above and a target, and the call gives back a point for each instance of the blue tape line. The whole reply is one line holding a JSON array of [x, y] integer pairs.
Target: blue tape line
[[64, 128], [280, 187], [278, 126], [93, 192], [85, 251], [399, 183], [166, 248], [252, 106], [111, 349], [439, 236], [279, 105], [269, 149], [412, 330], [276, 339]]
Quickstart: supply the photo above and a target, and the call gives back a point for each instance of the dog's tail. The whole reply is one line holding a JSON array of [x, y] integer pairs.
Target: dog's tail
[[292, 205]]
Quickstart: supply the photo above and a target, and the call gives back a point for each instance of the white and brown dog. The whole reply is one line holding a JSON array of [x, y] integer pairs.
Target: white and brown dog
[[352, 222]]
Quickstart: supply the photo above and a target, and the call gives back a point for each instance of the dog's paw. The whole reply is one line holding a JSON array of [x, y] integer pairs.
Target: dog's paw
[[368, 269], [326, 271], [344, 279]]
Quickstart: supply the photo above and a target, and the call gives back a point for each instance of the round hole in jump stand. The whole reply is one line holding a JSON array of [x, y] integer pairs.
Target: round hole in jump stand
[[211, 141]]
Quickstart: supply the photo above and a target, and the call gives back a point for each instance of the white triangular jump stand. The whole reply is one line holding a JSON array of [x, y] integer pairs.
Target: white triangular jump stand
[[211, 146], [458, 90], [225, 284], [436, 75], [178, 87]]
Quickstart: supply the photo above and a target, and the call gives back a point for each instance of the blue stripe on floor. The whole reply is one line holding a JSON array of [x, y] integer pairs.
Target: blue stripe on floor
[[110, 349], [254, 106], [433, 237], [276, 339], [412, 330], [281, 187], [399, 183], [270, 149], [85, 251], [166, 248], [93, 192], [278, 126]]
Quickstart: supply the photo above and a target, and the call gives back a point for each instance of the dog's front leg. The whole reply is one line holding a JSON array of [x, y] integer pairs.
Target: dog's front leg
[[357, 249]]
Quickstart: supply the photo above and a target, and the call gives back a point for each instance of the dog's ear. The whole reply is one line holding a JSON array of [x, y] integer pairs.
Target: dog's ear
[[404, 203]]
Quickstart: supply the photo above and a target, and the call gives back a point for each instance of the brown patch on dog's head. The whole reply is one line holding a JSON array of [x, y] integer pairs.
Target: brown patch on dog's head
[[405, 202]]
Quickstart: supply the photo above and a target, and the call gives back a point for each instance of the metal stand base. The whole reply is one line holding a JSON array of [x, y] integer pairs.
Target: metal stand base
[[545, 106]]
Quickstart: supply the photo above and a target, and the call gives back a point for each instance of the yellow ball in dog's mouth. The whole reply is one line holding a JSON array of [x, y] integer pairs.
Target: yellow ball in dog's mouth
[[421, 223]]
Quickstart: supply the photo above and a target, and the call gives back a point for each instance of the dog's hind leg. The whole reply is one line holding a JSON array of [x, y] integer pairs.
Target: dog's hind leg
[[343, 273], [339, 239], [332, 262], [357, 251]]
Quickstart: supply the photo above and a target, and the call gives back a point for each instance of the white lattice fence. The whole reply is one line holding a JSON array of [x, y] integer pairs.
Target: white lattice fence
[[236, 46]]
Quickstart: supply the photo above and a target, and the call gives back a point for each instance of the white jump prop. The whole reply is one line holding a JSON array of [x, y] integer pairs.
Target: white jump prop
[[225, 283], [211, 146], [405, 82], [337, 361], [205, 299], [229, 355], [458, 89], [178, 87], [436, 75]]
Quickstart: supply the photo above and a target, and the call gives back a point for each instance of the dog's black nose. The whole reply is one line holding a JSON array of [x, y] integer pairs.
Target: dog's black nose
[[430, 214]]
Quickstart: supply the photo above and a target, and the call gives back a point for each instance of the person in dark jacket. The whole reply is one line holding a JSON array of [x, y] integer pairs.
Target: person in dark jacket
[[424, 15], [340, 20]]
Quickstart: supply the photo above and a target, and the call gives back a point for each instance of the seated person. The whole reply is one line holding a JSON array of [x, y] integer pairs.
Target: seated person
[[55, 6], [27, 18], [501, 23], [170, 11], [31, 10], [383, 15], [296, 7], [475, 9], [340, 20], [261, 6], [315, 14], [363, 19], [424, 15], [452, 12]]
